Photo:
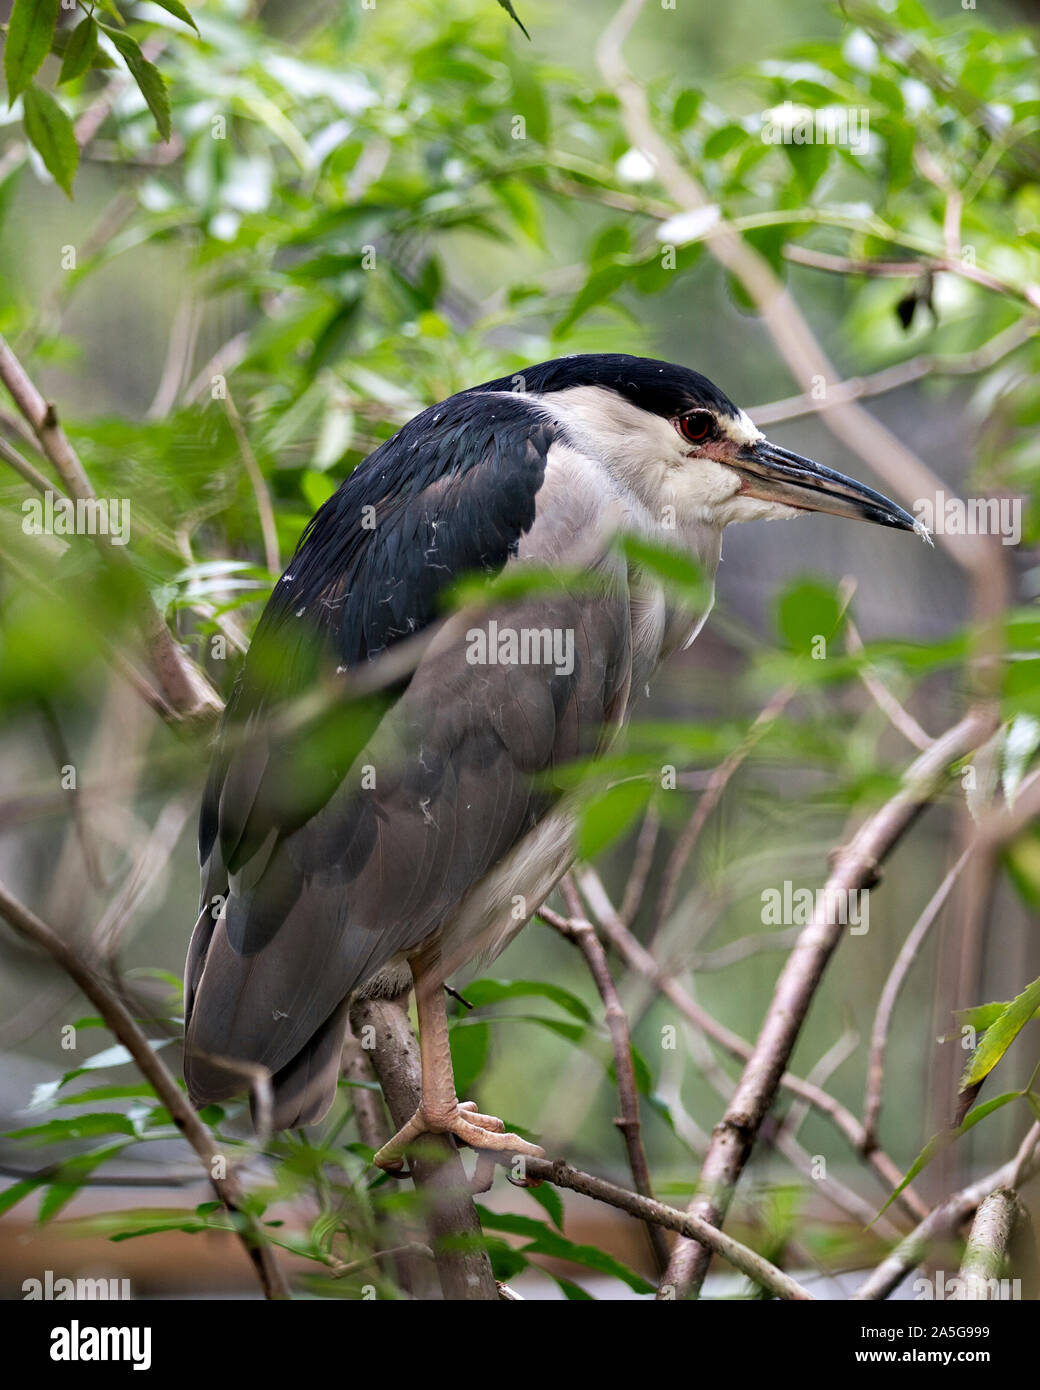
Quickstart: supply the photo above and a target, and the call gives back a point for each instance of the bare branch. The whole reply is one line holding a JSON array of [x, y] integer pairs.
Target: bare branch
[[582, 934], [855, 867], [641, 865], [264, 506], [639, 959], [561, 1174], [985, 1258], [897, 716], [883, 1018], [900, 374], [709, 799], [118, 1019], [906, 475], [463, 1267], [947, 1217], [184, 685]]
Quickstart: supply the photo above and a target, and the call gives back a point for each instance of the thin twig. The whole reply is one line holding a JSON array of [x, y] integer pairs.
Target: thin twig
[[947, 1217], [118, 1019], [582, 934], [184, 685], [755, 1266], [856, 866], [900, 374], [904, 473], [985, 1257], [897, 716], [883, 1018], [710, 797], [639, 959], [642, 863], [455, 1234], [264, 505]]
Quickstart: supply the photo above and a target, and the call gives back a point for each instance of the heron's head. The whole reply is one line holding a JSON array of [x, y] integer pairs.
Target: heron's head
[[673, 437]]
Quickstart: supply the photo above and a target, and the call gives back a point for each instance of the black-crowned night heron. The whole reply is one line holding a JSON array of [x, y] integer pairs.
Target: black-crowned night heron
[[358, 852]]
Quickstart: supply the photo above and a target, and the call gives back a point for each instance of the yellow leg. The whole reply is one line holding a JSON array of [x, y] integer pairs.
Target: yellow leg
[[440, 1111]]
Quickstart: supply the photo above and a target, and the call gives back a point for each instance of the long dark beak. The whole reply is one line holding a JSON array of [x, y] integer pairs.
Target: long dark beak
[[777, 475]]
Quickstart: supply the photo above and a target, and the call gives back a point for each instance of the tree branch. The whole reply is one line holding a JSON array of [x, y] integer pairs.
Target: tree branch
[[184, 686], [119, 1021], [890, 993], [855, 868], [581, 933], [985, 1258], [639, 959], [455, 1232], [947, 1217]]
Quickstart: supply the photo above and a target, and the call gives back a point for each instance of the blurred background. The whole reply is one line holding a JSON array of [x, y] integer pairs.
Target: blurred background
[[359, 211]]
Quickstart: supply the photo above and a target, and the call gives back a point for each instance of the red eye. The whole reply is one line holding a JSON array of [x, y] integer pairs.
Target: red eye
[[698, 426]]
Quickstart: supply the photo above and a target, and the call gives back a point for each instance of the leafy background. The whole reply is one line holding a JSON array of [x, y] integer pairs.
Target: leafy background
[[329, 209]]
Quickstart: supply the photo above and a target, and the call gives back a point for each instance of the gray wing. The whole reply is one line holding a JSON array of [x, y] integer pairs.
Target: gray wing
[[455, 773]]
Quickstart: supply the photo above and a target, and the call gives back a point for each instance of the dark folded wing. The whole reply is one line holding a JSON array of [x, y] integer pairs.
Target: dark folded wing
[[338, 848]]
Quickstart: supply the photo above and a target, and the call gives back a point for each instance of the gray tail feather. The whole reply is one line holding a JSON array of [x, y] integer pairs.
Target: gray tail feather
[[305, 1088]]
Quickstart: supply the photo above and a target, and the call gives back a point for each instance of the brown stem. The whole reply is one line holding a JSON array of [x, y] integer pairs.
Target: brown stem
[[120, 1022], [463, 1266], [639, 959], [561, 1174], [184, 686], [947, 1217], [709, 799], [890, 993], [582, 934]]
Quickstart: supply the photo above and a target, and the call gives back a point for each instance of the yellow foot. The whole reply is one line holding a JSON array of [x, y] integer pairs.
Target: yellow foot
[[467, 1124]]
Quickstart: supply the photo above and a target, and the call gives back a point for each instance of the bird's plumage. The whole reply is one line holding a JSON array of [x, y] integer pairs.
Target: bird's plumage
[[333, 847], [325, 880]]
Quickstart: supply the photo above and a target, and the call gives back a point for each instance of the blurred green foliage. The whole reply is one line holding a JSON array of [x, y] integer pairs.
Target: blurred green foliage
[[368, 210]]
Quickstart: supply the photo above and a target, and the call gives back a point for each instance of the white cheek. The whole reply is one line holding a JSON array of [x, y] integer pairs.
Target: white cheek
[[700, 486], [756, 509]]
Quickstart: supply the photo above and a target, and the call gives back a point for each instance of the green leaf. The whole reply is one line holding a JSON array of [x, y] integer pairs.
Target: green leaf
[[574, 1293], [609, 815], [143, 1221], [133, 1091], [79, 51], [317, 487], [674, 566], [483, 992], [1001, 1034], [806, 610], [175, 7], [83, 1127], [69, 1179], [147, 76], [507, 6], [12, 1195], [940, 1141], [686, 108], [469, 1050], [601, 284], [547, 1197], [981, 1016], [51, 131], [543, 1241], [29, 35]]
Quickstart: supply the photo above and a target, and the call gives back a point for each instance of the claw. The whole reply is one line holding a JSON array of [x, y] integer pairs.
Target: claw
[[467, 1124]]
